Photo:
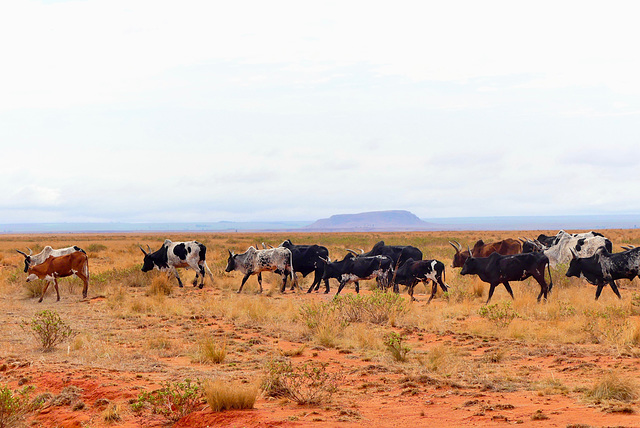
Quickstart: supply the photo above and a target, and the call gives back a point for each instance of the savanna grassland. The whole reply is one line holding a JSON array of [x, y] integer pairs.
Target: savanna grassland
[[142, 352]]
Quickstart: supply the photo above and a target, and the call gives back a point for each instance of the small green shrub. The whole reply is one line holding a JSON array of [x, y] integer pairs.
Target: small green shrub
[[173, 401], [394, 343], [95, 248], [500, 313], [49, 329], [13, 405], [309, 383]]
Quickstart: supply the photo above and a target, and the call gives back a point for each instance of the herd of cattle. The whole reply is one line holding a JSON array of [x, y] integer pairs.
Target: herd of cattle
[[589, 256]]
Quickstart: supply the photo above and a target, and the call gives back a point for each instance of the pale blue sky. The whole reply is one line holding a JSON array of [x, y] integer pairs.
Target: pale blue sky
[[249, 110]]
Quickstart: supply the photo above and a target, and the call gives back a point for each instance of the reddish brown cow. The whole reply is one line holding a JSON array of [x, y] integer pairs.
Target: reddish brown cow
[[59, 267], [506, 247]]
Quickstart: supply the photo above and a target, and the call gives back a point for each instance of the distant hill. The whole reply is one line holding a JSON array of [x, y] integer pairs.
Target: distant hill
[[371, 221]]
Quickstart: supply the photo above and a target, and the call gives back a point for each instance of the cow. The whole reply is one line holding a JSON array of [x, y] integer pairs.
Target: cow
[[480, 249], [397, 253], [36, 259], [604, 268], [414, 271], [307, 259], [255, 261], [497, 269], [354, 269], [75, 263], [174, 255], [584, 245]]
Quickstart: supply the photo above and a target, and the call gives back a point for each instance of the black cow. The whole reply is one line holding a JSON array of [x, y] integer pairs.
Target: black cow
[[396, 253], [497, 269], [414, 271], [307, 259], [604, 268], [354, 269], [173, 255]]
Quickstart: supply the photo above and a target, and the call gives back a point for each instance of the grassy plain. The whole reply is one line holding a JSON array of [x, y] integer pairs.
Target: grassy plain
[[559, 363]]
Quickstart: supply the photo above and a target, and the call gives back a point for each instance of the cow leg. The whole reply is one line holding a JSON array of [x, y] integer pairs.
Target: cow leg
[[260, 281], [599, 290], [285, 274], [357, 287], [508, 287], [294, 281], [614, 287], [492, 288], [544, 289], [199, 272], [434, 289], [175, 272], [243, 281], [44, 290], [55, 284], [85, 280], [341, 286]]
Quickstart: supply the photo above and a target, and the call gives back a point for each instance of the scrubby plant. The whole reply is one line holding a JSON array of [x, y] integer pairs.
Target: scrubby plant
[[13, 405], [309, 383], [324, 321], [500, 313], [173, 401], [394, 343], [48, 329], [229, 395]]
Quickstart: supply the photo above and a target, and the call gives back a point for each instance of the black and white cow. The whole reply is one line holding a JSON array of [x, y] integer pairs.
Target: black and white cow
[[354, 269], [605, 268], [583, 244], [414, 271], [36, 259], [497, 269], [307, 259], [173, 255], [255, 261]]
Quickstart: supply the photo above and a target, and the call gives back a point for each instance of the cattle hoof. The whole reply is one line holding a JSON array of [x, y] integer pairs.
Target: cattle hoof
[[201, 286], [40, 301]]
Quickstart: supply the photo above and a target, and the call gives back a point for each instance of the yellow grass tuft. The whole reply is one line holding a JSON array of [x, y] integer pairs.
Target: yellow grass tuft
[[211, 351], [222, 395], [613, 387]]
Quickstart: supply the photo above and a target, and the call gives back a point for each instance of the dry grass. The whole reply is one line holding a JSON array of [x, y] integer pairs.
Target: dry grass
[[143, 322], [613, 386], [221, 395]]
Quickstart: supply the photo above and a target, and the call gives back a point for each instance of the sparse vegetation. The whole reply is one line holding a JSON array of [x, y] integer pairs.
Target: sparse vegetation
[[308, 383], [173, 401], [224, 395], [48, 329], [396, 346], [211, 350], [613, 386], [13, 405]]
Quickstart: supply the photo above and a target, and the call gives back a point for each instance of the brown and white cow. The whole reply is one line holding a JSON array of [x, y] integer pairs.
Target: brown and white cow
[[76, 263]]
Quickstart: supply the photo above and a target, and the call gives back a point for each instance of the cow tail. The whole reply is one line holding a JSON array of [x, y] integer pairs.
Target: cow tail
[[86, 265], [293, 274], [550, 278]]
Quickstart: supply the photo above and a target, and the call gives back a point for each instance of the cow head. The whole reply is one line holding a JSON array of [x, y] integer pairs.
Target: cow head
[[460, 256], [470, 266], [231, 262], [575, 266], [27, 259], [147, 263]]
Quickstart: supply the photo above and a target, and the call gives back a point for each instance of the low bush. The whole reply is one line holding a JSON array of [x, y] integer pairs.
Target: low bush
[[309, 383], [500, 313], [394, 343], [173, 401], [13, 405], [48, 329]]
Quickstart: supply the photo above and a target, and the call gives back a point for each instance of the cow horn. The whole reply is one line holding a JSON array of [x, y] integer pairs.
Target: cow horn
[[573, 254], [23, 253], [470, 253], [456, 247], [149, 248], [30, 252], [142, 249], [324, 260], [230, 253], [361, 251], [353, 252]]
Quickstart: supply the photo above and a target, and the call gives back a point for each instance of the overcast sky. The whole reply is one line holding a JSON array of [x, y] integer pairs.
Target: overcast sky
[[171, 111]]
